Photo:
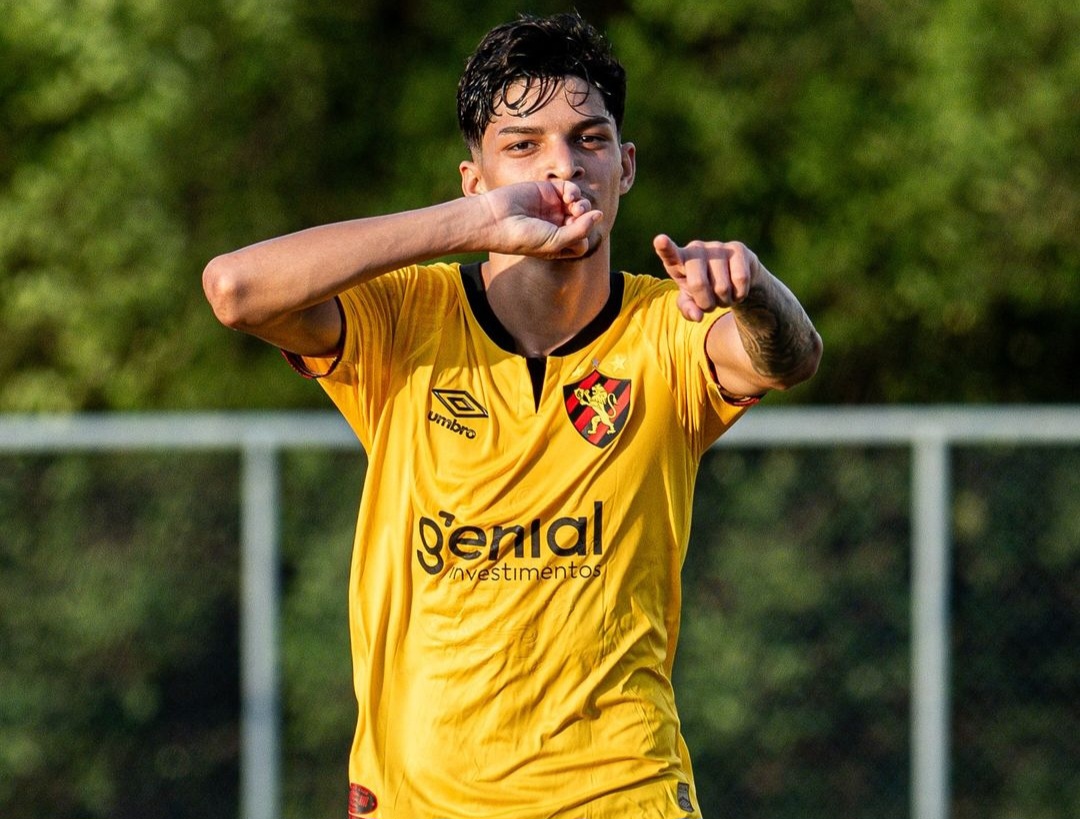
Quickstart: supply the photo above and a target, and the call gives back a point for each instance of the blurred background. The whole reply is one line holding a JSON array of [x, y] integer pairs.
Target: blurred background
[[911, 169]]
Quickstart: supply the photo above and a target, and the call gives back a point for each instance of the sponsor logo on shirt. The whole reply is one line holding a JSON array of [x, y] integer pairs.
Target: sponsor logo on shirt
[[598, 406], [494, 552], [460, 404]]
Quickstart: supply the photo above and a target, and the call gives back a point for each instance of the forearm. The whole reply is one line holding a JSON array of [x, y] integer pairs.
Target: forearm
[[777, 335], [256, 285]]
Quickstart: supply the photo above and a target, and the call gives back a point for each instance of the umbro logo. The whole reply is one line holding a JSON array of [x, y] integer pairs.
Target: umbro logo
[[460, 404]]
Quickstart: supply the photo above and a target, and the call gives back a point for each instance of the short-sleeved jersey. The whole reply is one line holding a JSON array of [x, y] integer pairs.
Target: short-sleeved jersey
[[515, 583]]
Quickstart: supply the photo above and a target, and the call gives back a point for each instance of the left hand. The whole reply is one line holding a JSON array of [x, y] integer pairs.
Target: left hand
[[709, 274]]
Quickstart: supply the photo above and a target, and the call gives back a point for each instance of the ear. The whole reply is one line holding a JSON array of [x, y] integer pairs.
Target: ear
[[472, 181], [629, 166]]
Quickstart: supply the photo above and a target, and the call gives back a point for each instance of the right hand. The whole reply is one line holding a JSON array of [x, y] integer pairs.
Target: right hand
[[546, 220]]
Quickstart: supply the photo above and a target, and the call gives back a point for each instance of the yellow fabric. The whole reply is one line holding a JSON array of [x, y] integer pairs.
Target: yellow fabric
[[515, 594]]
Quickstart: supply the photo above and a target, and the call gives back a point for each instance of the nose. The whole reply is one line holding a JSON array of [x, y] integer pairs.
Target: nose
[[563, 162]]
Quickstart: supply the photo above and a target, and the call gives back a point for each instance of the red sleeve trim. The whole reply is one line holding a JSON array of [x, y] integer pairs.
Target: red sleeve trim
[[737, 400], [296, 361]]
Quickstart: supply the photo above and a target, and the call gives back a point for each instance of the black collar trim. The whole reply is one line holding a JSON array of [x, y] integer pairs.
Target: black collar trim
[[489, 322]]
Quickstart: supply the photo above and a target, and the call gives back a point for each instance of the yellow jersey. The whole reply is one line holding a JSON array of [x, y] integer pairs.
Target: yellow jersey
[[515, 584]]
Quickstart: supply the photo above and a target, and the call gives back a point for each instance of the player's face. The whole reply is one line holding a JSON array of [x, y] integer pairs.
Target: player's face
[[572, 138]]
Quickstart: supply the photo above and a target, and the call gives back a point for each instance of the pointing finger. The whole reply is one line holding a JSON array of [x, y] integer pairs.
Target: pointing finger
[[669, 255]]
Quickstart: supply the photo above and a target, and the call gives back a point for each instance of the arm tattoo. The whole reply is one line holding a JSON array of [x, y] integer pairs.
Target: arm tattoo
[[776, 332]]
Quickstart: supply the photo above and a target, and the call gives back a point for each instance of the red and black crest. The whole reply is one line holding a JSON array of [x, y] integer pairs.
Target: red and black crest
[[598, 406], [361, 801]]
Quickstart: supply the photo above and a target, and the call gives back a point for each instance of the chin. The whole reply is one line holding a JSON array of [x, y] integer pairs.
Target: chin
[[594, 247], [588, 254]]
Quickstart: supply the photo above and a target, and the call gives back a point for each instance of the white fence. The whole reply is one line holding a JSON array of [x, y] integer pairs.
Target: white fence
[[261, 437]]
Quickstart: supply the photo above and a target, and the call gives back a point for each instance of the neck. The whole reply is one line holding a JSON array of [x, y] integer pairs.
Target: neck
[[543, 304]]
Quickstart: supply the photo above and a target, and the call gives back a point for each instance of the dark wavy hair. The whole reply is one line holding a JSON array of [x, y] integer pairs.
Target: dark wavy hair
[[541, 51]]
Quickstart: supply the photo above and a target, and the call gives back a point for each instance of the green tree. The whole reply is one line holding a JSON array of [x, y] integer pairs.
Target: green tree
[[911, 170], [1015, 631], [792, 671], [119, 681], [138, 135]]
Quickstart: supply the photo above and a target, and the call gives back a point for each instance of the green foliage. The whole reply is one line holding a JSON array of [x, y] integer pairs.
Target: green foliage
[[99, 293], [910, 169], [321, 493], [1017, 540], [118, 687], [792, 670]]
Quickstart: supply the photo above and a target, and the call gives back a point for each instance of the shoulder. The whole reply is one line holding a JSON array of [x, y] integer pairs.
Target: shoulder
[[433, 275], [651, 304], [641, 285], [426, 283], [643, 293], [400, 304]]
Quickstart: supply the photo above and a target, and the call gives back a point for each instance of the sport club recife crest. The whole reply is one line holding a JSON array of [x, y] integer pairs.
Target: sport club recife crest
[[598, 406]]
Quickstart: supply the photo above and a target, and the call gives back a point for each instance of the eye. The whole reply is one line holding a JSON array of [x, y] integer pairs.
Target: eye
[[592, 140]]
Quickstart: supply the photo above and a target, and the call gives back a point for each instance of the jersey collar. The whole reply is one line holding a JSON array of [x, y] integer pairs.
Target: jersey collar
[[489, 322]]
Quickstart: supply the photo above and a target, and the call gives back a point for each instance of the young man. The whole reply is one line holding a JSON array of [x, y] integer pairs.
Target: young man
[[533, 425]]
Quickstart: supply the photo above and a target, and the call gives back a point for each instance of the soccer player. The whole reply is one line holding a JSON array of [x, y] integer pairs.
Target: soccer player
[[533, 424]]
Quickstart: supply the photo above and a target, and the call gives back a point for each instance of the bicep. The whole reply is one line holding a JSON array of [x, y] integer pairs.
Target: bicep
[[315, 331], [731, 363]]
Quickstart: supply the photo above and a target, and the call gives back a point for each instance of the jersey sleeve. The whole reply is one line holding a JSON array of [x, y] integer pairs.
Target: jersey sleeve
[[704, 410], [387, 322]]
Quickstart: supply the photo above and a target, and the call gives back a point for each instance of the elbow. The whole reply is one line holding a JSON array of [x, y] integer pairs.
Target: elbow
[[807, 364], [813, 357], [224, 287]]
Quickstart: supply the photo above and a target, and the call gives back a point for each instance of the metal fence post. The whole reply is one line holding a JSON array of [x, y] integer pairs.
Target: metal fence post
[[930, 628], [259, 720]]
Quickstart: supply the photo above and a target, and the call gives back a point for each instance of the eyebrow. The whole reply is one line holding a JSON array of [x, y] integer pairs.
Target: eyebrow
[[581, 125]]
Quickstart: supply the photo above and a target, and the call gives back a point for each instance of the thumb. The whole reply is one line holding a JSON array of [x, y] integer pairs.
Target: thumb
[[571, 240], [688, 307]]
